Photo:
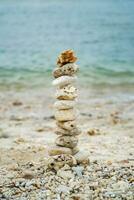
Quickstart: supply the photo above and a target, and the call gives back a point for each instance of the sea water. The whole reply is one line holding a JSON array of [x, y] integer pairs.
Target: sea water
[[34, 32]]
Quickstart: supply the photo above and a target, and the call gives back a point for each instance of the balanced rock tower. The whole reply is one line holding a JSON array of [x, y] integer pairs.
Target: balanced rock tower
[[65, 105]]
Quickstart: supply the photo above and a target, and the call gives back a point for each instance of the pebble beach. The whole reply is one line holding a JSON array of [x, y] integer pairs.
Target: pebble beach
[[27, 130], [32, 35]]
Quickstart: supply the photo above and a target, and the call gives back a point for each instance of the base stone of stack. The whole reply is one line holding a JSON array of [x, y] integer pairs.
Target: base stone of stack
[[59, 161]]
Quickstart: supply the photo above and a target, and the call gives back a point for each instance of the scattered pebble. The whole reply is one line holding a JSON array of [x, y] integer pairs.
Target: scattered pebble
[[20, 140], [3, 134], [65, 174], [17, 103], [63, 189], [28, 174], [97, 181], [78, 170], [93, 132]]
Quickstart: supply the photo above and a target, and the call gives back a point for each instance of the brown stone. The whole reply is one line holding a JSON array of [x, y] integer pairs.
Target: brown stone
[[66, 57]]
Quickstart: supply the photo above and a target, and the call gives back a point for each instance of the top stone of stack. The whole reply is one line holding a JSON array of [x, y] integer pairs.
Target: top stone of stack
[[66, 57], [66, 65]]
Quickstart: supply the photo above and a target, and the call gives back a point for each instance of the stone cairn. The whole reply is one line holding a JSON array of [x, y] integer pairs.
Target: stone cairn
[[65, 111], [65, 150]]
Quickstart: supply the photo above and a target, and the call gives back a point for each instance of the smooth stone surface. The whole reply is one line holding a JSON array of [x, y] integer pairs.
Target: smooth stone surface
[[82, 157], [75, 150], [68, 92], [70, 125], [64, 104], [68, 69], [64, 132], [67, 141], [57, 150], [66, 115], [59, 161], [64, 80]]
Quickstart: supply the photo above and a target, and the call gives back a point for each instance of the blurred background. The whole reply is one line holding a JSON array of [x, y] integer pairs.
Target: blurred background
[[34, 32]]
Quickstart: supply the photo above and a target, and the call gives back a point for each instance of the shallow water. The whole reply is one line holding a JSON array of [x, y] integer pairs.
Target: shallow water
[[32, 33]]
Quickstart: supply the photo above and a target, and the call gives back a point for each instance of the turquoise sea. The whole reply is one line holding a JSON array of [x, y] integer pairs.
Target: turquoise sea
[[34, 32]]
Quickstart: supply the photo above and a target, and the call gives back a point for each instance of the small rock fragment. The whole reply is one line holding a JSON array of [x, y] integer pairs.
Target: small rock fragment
[[28, 174], [17, 103], [3, 134], [82, 157], [63, 189], [93, 132], [20, 140], [65, 174], [78, 170]]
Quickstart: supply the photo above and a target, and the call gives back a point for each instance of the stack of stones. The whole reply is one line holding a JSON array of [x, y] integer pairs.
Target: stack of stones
[[65, 105]]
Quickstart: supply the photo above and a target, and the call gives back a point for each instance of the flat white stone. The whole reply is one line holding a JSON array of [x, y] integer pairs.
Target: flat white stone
[[64, 80], [64, 104], [68, 92]]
